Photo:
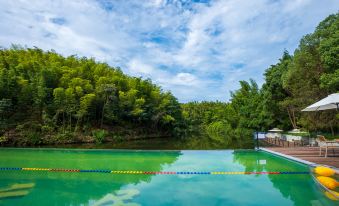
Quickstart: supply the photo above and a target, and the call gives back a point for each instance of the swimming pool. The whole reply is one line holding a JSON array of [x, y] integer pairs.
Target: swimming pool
[[128, 177]]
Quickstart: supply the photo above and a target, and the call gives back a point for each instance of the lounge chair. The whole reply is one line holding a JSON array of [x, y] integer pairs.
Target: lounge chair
[[323, 142]]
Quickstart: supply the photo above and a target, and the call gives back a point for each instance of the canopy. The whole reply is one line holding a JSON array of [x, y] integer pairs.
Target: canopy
[[275, 130], [330, 102]]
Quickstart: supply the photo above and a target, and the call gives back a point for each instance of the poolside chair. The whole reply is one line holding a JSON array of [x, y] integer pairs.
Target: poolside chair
[[322, 142]]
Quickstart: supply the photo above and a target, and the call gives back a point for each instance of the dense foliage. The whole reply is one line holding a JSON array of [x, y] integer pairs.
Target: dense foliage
[[230, 124], [292, 84], [304, 78], [46, 98]]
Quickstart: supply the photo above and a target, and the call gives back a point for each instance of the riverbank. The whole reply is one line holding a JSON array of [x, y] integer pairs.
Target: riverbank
[[158, 143], [109, 135]]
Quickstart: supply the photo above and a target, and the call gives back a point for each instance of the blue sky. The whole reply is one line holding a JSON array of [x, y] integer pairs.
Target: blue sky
[[198, 49]]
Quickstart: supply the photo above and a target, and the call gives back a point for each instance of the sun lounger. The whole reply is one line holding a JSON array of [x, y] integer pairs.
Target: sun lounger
[[323, 143]]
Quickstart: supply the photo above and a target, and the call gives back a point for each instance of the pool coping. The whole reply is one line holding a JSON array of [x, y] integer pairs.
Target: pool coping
[[311, 164]]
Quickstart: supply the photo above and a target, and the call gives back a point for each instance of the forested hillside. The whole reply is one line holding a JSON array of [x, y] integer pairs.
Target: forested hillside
[[301, 79], [47, 98], [292, 84]]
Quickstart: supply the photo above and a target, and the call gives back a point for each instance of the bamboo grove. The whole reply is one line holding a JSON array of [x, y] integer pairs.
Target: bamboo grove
[[43, 94]]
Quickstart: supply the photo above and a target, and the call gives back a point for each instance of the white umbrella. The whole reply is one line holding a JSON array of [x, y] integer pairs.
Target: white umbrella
[[330, 102], [295, 131], [275, 130]]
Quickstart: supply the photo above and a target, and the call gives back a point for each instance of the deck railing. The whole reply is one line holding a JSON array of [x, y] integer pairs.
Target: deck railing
[[264, 139], [284, 143]]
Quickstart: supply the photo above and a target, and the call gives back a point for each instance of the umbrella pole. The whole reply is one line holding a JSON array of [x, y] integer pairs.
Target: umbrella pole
[[316, 125], [257, 140]]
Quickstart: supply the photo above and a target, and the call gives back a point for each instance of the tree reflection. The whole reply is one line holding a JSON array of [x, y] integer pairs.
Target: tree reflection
[[64, 188], [299, 188]]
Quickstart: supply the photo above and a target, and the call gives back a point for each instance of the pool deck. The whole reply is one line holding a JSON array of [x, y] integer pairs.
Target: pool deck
[[307, 155]]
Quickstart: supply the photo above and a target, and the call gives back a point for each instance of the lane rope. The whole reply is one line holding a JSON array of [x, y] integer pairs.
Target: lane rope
[[150, 172]]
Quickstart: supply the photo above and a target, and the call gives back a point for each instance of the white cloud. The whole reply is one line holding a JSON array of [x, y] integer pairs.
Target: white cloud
[[137, 67], [198, 51], [185, 79]]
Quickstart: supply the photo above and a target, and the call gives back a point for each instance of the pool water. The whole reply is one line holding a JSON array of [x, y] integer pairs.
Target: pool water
[[90, 188]]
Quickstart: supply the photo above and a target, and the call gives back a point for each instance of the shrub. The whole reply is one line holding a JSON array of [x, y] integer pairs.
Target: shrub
[[3, 139], [99, 135], [64, 137]]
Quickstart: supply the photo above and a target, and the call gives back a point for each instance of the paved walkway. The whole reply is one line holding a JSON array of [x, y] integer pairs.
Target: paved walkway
[[310, 154]]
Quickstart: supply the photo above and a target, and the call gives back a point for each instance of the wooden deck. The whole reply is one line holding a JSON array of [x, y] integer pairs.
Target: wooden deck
[[310, 154]]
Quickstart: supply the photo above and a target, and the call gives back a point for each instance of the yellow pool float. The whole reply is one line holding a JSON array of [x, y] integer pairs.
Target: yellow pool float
[[328, 182], [327, 178], [324, 171], [333, 195]]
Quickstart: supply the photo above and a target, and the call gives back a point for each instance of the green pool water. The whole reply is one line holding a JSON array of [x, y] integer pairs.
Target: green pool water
[[61, 188]]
